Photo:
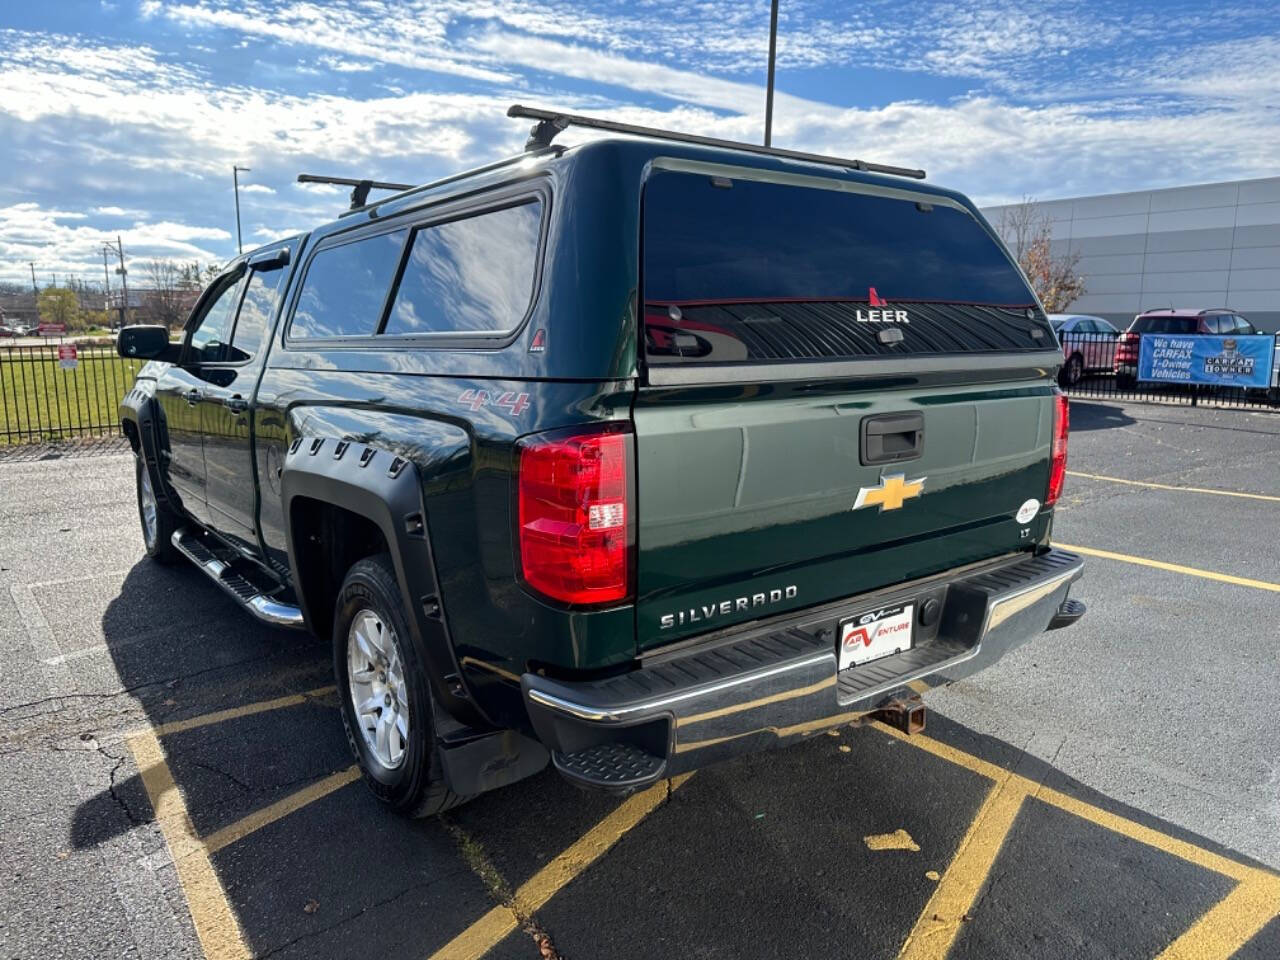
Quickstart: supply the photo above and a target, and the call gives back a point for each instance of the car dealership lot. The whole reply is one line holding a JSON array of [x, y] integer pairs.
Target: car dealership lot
[[177, 782]]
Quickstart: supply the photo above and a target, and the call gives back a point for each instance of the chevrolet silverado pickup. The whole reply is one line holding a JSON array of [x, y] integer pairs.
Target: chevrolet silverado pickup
[[625, 457]]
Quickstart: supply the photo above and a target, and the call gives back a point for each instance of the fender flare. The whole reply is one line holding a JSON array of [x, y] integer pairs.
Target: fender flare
[[139, 410], [385, 489]]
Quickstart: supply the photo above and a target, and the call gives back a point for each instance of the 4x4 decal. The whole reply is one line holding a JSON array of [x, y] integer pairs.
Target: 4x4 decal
[[474, 399]]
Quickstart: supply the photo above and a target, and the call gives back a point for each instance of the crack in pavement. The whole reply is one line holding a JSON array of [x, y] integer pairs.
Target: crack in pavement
[[358, 913]]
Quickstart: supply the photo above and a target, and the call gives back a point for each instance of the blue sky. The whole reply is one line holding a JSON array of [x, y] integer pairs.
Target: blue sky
[[126, 117]]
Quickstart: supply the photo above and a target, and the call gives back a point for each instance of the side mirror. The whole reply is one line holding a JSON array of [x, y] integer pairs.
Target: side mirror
[[145, 342]]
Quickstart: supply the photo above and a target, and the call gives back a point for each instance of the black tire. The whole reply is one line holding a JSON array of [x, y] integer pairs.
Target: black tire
[[415, 786], [157, 541], [1072, 371], [1126, 381]]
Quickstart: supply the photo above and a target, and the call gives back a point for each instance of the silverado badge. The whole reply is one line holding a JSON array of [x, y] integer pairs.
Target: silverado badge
[[890, 492]]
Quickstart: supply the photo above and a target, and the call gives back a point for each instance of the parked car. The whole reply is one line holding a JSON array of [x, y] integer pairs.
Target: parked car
[[626, 457], [7, 331], [19, 330], [1215, 322], [1088, 345]]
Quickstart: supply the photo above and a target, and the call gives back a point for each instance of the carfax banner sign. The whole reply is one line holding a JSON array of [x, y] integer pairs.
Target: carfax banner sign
[[1237, 361]]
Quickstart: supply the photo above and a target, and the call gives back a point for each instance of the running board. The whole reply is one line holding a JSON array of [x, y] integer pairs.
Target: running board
[[269, 611]]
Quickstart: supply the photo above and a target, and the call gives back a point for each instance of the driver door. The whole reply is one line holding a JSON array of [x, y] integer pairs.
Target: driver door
[[180, 389]]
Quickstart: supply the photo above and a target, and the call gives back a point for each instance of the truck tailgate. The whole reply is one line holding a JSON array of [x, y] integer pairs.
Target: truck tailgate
[[746, 507]]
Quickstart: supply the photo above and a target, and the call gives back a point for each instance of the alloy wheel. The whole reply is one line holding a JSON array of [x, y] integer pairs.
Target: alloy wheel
[[379, 698]]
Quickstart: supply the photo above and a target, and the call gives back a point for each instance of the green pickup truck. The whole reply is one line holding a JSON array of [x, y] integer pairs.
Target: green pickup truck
[[626, 457]]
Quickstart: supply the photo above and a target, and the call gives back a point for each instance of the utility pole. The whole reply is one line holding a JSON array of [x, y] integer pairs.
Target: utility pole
[[235, 180], [124, 282], [106, 280], [35, 291], [773, 51]]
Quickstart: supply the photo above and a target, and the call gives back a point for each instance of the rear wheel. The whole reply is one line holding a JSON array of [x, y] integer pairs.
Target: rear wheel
[[158, 521], [386, 702]]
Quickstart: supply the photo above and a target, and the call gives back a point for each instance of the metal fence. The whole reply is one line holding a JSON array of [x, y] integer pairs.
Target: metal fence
[[1104, 366], [45, 396]]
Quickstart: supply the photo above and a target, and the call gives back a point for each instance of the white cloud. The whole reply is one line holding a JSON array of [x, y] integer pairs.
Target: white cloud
[[1122, 99]]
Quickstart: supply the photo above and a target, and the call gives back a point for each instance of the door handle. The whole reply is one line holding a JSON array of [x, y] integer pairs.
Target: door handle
[[236, 403], [193, 397]]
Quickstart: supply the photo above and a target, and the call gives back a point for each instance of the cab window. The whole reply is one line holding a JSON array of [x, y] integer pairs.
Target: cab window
[[209, 338]]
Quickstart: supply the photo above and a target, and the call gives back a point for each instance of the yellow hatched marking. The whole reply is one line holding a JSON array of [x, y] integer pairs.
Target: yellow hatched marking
[[221, 716], [1174, 568], [1231, 923], [1167, 486], [281, 808], [939, 924], [483, 935], [1222, 931], [211, 913]]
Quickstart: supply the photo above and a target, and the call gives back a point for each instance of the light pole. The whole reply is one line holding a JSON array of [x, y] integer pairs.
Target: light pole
[[235, 180], [768, 97], [35, 291]]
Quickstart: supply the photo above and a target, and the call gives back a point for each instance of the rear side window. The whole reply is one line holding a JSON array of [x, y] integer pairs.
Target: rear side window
[[1178, 325], [473, 275], [346, 287], [743, 270]]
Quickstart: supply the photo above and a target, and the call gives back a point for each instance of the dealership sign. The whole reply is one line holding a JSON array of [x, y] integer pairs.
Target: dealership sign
[[67, 358], [1237, 361]]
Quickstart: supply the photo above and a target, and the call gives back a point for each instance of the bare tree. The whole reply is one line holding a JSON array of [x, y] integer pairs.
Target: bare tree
[[166, 300], [1027, 229]]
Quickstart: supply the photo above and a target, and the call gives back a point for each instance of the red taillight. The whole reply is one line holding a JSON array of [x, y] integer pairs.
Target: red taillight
[[1127, 348], [1058, 450], [575, 516]]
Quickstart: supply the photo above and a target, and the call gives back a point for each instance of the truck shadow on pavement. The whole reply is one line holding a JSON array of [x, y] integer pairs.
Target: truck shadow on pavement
[[842, 845]]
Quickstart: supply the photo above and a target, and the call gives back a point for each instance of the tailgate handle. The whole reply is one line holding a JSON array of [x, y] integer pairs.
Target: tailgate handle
[[891, 438]]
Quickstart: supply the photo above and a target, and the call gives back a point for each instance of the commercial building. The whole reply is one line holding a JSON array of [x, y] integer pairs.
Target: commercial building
[[1213, 245]]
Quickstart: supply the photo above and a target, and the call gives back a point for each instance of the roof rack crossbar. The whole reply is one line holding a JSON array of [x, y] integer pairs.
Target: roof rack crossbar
[[551, 123], [360, 188]]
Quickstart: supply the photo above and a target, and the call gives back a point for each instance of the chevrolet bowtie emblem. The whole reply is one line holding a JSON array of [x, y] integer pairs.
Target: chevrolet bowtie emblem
[[890, 493]]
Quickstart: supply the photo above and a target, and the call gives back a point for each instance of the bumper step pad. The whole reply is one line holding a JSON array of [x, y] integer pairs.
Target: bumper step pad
[[610, 766]]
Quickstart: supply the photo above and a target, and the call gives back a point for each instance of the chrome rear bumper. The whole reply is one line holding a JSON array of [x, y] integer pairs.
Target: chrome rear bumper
[[777, 680]]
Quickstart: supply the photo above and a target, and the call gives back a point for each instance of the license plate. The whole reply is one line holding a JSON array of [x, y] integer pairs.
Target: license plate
[[875, 634]]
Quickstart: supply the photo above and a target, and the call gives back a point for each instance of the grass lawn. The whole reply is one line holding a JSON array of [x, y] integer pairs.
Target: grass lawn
[[41, 401]]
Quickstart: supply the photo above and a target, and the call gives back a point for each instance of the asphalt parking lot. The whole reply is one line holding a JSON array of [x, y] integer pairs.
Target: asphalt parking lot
[[177, 784]]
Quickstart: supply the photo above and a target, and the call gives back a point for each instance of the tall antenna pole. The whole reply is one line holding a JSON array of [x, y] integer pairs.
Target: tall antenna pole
[[235, 180], [773, 51]]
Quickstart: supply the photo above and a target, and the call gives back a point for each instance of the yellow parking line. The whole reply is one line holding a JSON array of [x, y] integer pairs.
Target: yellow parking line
[[1086, 811], [1219, 933], [1230, 924], [1168, 486], [1174, 568], [208, 719], [211, 912], [483, 935], [281, 808], [939, 923]]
